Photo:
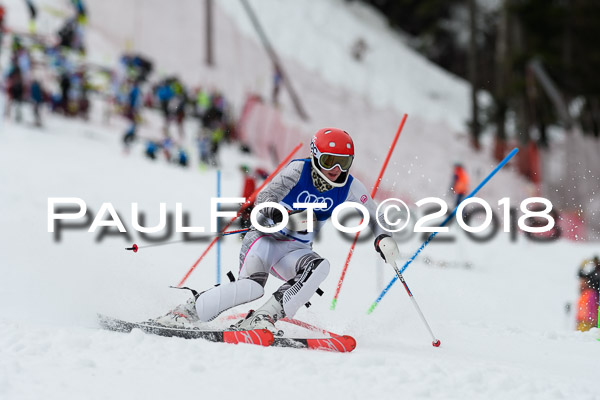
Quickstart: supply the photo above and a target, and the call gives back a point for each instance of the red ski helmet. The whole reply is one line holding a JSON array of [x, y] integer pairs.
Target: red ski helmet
[[331, 147]]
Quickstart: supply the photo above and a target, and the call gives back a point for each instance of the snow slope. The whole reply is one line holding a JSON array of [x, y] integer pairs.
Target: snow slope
[[501, 322]]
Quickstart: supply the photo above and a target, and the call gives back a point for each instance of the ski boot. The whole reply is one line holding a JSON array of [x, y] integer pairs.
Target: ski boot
[[182, 316], [263, 318]]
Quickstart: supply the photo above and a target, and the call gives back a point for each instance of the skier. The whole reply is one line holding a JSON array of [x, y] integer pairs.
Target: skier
[[132, 112], [287, 254]]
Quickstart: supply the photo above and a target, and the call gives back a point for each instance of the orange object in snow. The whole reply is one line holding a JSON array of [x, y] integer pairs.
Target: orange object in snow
[[461, 180], [587, 310]]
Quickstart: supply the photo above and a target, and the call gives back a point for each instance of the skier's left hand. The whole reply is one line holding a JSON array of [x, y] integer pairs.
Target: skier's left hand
[[299, 221], [387, 248]]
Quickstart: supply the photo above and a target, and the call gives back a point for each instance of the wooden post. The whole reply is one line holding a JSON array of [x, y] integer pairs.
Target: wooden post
[[209, 32], [274, 59], [473, 77]]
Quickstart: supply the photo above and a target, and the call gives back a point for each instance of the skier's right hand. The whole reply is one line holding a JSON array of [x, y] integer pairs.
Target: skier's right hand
[[272, 213]]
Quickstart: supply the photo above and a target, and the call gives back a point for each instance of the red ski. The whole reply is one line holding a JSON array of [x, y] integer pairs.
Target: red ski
[[335, 343], [340, 344]]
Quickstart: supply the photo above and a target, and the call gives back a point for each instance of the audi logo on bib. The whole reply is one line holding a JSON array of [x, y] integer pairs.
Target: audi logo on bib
[[306, 197]]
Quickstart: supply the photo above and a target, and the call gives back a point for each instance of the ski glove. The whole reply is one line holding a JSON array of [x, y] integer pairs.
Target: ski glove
[[387, 248], [273, 213], [299, 221]]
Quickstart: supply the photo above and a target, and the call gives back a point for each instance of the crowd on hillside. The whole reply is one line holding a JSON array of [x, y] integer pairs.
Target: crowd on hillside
[[49, 73], [176, 102]]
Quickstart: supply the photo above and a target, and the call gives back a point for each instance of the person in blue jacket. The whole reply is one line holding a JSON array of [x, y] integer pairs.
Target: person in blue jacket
[[132, 112]]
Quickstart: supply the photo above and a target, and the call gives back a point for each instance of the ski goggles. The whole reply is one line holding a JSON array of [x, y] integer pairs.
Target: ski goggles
[[328, 161]]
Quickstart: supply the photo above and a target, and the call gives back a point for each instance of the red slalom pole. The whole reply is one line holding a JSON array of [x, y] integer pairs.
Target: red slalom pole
[[373, 192], [240, 211]]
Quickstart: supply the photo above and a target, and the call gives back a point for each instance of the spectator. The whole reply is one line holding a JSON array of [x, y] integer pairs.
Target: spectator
[[277, 81], [66, 34], [181, 101], [203, 148], [15, 88], [80, 11], [359, 49], [589, 284], [71, 35], [78, 94], [460, 182], [262, 173], [16, 45], [37, 99], [213, 116], [65, 88], [167, 146], [216, 138], [165, 93], [84, 101], [151, 150], [132, 111], [32, 15], [202, 102], [182, 158], [143, 66]]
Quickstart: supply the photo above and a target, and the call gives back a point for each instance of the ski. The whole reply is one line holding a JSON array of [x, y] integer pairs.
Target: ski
[[261, 337], [339, 344], [334, 343]]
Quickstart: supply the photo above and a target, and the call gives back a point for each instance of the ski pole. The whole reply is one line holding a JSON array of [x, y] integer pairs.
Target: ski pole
[[436, 342], [383, 293], [373, 192], [135, 247]]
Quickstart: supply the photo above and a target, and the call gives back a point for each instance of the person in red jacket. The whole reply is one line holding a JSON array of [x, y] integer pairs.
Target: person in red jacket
[[460, 183], [2, 12]]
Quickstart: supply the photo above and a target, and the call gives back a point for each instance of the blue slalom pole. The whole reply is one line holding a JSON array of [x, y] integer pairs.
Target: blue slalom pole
[[433, 234], [219, 229]]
